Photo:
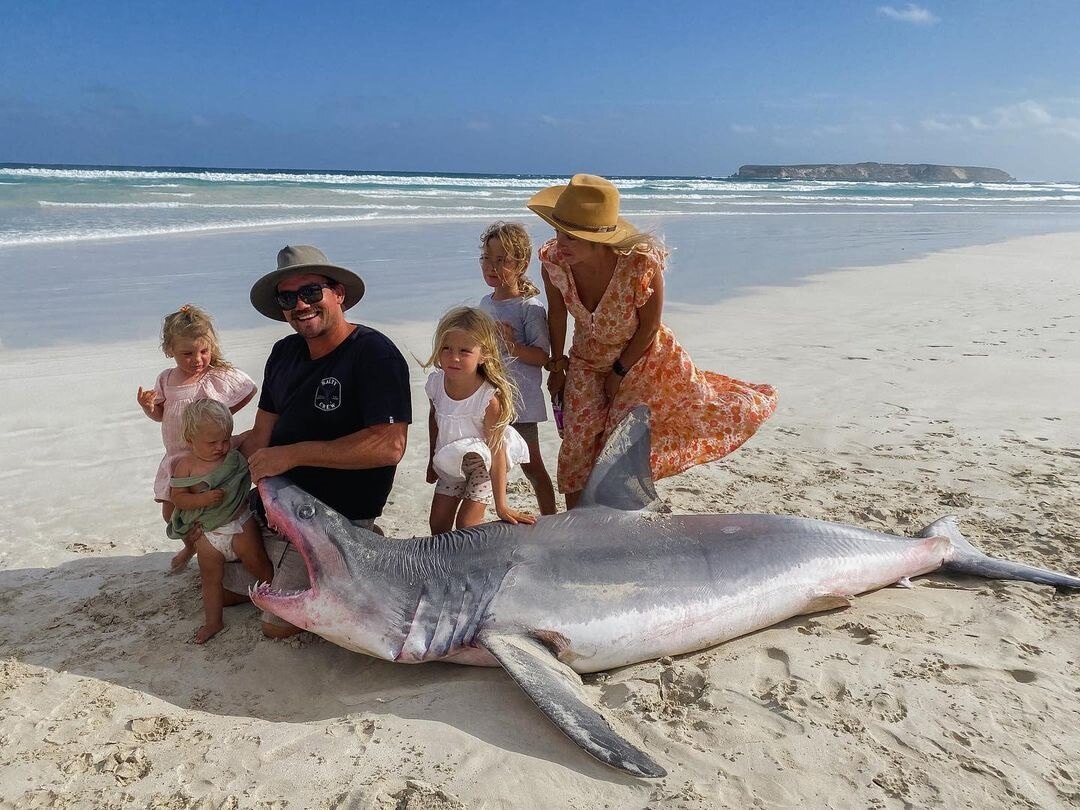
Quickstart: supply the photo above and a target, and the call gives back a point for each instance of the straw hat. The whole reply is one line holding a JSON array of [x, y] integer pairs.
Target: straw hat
[[296, 260], [586, 209]]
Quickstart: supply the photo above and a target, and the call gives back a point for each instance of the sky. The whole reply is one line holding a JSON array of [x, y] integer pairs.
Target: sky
[[667, 87]]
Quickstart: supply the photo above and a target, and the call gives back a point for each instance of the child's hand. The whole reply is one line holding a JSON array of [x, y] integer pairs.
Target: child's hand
[[431, 476], [514, 516], [506, 332], [213, 497], [146, 399]]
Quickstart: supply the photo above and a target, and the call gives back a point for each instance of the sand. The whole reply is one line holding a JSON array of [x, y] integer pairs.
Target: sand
[[949, 384]]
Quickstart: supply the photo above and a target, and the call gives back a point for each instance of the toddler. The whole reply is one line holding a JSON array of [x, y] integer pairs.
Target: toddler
[[209, 488]]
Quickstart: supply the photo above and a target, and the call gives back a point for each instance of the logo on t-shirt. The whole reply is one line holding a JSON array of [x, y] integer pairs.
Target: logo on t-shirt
[[328, 394]]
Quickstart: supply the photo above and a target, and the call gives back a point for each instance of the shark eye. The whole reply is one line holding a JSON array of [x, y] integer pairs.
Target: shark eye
[[307, 511]]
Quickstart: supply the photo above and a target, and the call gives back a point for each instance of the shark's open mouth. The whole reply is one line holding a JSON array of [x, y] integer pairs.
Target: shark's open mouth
[[280, 520]]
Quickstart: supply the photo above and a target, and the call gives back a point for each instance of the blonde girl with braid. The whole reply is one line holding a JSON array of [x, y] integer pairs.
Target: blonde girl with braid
[[472, 444], [514, 303]]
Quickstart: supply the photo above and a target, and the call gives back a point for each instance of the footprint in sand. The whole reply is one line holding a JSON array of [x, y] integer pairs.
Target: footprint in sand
[[888, 708]]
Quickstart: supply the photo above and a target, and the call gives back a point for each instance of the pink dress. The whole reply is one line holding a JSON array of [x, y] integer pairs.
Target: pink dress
[[697, 416], [229, 386]]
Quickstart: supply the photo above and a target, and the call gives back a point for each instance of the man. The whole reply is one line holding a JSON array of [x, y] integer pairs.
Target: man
[[335, 407]]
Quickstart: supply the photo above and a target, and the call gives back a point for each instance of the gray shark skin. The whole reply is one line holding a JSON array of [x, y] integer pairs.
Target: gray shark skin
[[607, 584]]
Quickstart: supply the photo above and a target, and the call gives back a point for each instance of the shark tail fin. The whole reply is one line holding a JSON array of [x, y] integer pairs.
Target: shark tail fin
[[964, 558], [621, 478]]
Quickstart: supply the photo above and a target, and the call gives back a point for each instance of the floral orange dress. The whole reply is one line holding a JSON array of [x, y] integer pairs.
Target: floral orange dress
[[697, 416]]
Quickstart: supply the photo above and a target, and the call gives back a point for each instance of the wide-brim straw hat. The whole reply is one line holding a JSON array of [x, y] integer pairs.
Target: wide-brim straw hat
[[587, 208], [296, 260]]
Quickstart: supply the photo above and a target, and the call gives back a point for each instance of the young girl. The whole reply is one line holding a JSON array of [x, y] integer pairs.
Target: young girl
[[188, 337], [209, 488], [472, 445], [516, 308]]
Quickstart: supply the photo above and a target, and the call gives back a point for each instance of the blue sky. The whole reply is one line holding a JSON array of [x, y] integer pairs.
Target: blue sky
[[665, 88]]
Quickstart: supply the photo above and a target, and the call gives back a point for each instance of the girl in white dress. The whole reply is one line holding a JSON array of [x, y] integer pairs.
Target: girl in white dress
[[472, 445], [189, 338]]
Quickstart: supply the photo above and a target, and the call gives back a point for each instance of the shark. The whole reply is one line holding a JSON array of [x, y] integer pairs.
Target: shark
[[612, 582]]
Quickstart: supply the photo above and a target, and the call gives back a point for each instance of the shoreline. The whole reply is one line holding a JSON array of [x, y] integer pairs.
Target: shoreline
[[945, 384], [116, 291]]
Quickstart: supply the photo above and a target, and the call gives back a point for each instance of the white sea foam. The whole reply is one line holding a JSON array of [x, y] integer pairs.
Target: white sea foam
[[74, 204], [214, 176]]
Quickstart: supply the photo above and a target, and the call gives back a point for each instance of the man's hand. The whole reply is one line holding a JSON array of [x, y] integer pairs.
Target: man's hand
[[269, 461]]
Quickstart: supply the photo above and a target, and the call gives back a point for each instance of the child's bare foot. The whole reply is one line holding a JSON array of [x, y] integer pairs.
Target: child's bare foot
[[180, 561], [207, 632]]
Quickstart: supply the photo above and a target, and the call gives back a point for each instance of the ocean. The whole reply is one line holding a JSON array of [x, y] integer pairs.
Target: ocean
[[98, 254]]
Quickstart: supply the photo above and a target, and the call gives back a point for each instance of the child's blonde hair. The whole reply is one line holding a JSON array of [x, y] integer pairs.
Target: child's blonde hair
[[479, 326], [191, 323], [515, 241], [202, 412]]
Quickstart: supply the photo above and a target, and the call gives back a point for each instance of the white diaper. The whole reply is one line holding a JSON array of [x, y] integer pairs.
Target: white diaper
[[221, 537]]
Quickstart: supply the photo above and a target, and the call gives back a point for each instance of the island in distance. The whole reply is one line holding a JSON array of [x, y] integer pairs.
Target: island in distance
[[880, 172]]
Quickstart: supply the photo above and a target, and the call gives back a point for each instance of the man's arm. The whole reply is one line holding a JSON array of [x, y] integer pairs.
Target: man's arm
[[375, 446], [259, 436]]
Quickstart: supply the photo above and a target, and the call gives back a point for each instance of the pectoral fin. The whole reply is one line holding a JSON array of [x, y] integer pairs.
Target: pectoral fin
[[558, 691]]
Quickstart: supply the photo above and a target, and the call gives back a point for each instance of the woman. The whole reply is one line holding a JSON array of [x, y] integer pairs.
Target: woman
[[609, 277]]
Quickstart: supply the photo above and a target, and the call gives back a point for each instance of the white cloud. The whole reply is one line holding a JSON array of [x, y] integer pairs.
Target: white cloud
[[911, 13], [1031, 116], [743, 129]]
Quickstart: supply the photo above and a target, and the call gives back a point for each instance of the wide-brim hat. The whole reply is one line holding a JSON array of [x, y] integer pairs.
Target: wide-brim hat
[[296, 260], [587, 208]]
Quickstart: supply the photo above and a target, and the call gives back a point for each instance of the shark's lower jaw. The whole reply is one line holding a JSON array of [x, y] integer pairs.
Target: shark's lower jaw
[[288, 605]]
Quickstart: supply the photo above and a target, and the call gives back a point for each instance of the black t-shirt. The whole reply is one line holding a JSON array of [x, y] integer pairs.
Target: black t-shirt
[[362, 383]]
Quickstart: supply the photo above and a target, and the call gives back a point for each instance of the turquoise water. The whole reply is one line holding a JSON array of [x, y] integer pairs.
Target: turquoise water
[[100, 253]]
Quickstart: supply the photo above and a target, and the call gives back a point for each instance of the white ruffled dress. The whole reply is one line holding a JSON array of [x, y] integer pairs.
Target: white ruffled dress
[[461, 430]]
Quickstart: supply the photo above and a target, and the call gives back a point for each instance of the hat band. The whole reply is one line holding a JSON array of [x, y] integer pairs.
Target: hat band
[[590, 228]]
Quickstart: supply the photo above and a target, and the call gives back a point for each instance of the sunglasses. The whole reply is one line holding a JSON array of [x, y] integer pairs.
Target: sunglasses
[[309, 294]]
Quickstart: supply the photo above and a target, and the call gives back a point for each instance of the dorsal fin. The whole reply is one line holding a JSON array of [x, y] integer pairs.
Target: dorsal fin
[[621, 477]]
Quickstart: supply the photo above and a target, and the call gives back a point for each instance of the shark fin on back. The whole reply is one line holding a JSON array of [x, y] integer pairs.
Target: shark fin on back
[[621, 478]]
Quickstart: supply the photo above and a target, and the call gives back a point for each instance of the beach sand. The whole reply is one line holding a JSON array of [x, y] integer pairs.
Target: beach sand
[[948, 384]]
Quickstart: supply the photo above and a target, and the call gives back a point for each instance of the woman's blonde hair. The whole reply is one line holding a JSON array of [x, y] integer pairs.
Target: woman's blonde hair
[[479, 326], [515, 241], [191, 323], [640, 242], [202, 412]]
